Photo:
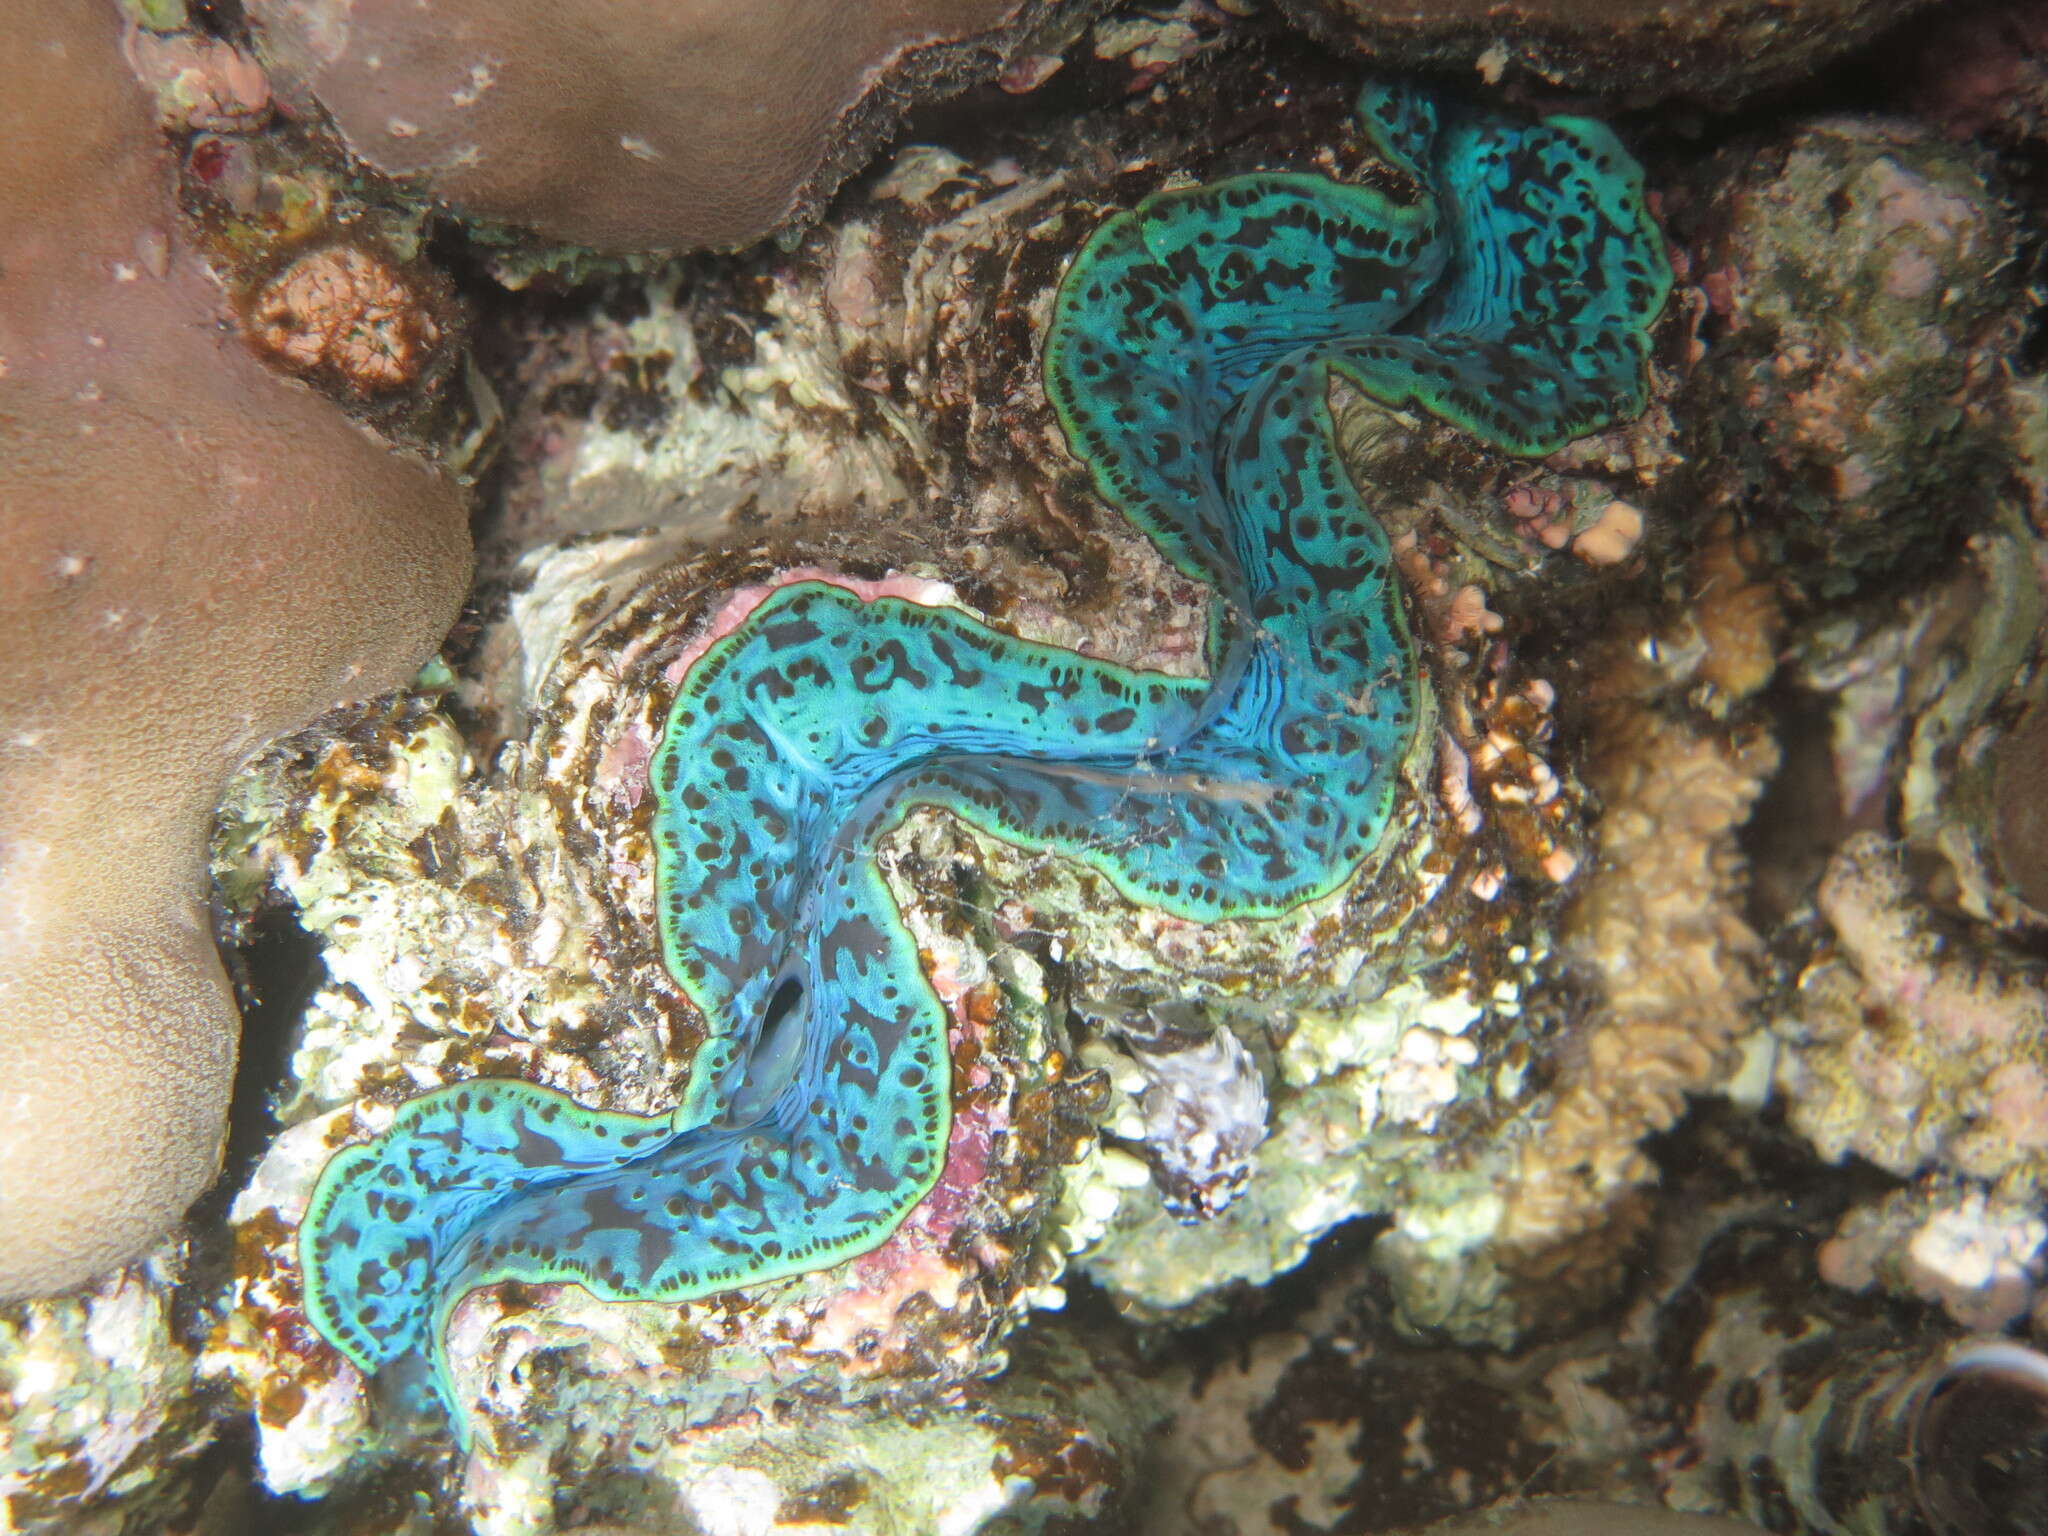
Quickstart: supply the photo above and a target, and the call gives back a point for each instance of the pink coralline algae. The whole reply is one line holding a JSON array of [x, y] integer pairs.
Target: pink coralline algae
[[861, 1320]]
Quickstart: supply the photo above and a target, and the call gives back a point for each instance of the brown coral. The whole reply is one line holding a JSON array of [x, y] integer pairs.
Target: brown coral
[[627, 125], [1659, 926], [199, 557]]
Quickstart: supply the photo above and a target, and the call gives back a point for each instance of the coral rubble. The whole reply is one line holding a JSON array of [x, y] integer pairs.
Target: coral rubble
[[97, 1408]]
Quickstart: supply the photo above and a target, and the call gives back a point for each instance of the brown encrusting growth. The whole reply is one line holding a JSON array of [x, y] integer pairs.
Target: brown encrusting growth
[[200, 556], [629, 126]]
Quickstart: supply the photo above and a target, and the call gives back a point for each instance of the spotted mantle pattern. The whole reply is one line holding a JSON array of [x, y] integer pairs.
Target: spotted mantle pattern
[[1501, 276]]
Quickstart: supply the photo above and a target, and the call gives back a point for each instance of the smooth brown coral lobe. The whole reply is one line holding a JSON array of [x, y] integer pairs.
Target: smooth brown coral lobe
[[2019, 802], [630, 125], [199, 556]]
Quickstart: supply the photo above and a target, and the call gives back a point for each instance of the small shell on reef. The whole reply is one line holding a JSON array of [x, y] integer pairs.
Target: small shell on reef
[[1204, 1109], [1980, 1443]]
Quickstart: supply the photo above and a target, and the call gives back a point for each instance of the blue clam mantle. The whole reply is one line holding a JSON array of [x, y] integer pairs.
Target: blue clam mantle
[[1188, 359]]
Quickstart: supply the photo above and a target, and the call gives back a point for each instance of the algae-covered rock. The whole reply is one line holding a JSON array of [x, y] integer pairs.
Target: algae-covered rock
[[1862, 285], [100, 1422], [1913, 1052]]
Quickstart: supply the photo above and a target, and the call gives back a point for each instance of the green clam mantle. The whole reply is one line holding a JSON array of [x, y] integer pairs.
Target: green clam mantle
[[1188, 359]]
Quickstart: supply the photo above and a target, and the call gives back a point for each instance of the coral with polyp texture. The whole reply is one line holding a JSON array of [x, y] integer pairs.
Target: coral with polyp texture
[[199, 557]]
